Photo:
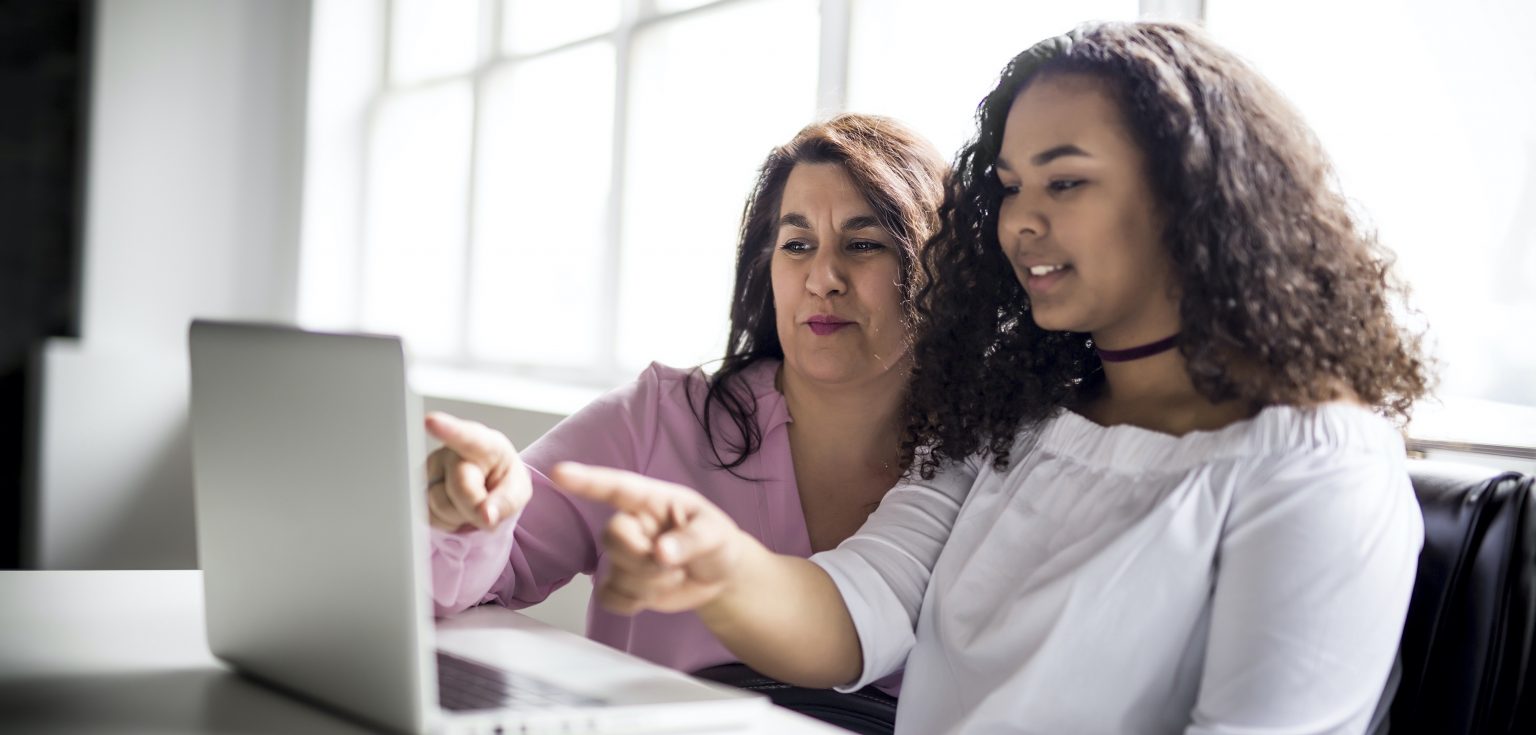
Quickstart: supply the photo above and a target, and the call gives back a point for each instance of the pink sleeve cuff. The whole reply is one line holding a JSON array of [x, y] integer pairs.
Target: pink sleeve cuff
[[465, 565]]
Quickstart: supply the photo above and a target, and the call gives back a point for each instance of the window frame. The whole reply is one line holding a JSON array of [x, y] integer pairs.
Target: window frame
[[491, 59], [1433, 433]]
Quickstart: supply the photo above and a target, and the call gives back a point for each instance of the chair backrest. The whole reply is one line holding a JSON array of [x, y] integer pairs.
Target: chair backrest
[[1466, 649]]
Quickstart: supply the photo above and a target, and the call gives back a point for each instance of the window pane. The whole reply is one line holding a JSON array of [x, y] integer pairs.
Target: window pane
[[668, 6], [532, 25], [929, 64], [1427, 112], [712, 94], [545, 160], [416, 211], [432, 38]]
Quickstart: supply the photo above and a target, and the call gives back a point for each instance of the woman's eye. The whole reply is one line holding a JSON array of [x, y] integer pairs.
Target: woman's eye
[[865, 246], [795, 246], [1010, 189], [1061, 185]]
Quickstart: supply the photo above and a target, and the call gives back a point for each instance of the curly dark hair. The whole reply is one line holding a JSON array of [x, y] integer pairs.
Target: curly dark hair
[[1285, 297], [901, 176]]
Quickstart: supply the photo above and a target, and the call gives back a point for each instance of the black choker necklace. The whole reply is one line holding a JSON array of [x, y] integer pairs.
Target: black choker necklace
[[1136, 353]]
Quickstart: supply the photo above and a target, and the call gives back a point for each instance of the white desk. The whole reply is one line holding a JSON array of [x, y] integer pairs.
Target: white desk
[[116, 651]]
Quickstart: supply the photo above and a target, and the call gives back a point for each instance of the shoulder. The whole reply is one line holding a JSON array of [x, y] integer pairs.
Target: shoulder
[[619, 427], [657, 384], [1332, 443], [752, 388], [1335, 469], [955, 478], [677, 397], [677, 383], [1337, 426]]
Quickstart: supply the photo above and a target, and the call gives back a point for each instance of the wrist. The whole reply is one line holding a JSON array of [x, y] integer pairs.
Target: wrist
[[745, 556]]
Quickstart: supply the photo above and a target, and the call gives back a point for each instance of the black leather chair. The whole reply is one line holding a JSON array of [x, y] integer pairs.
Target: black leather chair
[[1467, 642]]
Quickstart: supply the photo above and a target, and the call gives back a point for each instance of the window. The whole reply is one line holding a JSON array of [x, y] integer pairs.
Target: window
[[907, 59], [1426, 110], [553, 189], [712, 92]]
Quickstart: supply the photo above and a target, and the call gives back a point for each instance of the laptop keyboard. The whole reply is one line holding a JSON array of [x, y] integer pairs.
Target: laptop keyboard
[[466, 685]]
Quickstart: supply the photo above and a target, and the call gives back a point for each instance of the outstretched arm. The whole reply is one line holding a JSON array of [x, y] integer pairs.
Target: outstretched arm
[[671, 550]]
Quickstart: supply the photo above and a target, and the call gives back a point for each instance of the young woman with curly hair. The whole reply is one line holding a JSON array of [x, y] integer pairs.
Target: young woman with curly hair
[[1153, 485]]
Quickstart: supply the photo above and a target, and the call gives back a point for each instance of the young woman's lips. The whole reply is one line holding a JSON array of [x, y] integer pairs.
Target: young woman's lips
[[1043, 284]]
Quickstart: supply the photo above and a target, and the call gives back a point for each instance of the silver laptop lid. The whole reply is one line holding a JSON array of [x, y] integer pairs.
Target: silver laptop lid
[[306, 452]]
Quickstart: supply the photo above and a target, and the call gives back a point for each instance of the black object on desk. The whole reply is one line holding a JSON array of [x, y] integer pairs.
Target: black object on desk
[[867, 711]]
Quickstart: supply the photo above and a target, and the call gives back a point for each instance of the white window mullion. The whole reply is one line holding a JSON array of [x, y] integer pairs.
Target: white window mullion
[[607, 332], [488, 46], [1191, 10], [832, 77], [365, 171]]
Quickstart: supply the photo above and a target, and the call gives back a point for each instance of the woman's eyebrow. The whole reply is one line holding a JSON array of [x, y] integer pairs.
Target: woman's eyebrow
[[794, 219], [861, 222], [856, 222], [1042, 158]]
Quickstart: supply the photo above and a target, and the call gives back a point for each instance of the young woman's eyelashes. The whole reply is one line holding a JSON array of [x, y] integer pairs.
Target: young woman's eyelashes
[[1061, 186], [1054, 186]]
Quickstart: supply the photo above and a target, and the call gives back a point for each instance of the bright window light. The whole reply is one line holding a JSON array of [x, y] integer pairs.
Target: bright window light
[[929, 64], [1425, 108], [541, 210], [535, 25], [713, 93], [433, 38], [415, 223]]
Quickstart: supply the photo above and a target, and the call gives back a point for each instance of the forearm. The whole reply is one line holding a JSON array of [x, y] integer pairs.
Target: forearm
[[783, 616]]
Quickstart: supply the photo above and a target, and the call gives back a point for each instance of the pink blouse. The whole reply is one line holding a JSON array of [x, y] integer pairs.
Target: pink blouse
[[649, 428]]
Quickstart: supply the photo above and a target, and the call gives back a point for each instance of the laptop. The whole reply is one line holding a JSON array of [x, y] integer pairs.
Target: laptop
[[308, 464]]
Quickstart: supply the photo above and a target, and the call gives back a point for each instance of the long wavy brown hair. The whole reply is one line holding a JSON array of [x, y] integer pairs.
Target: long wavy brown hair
[[1285, 297], [901, 176]]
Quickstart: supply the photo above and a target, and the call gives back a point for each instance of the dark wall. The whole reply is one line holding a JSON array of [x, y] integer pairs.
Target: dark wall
[[44, 93]]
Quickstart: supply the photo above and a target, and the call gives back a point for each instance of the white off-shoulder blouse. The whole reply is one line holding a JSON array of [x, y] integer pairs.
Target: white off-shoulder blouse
[[1252, 579]]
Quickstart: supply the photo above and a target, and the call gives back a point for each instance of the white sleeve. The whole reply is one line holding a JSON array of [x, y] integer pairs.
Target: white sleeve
[[1316, 564], [882, 571]]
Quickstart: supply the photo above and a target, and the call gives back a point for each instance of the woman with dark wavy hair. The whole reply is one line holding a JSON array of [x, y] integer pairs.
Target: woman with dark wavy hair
[[1153, 482], [796, 434]]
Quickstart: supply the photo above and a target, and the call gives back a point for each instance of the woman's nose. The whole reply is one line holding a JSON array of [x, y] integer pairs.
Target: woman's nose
[[1020, 219], [826, 277]]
